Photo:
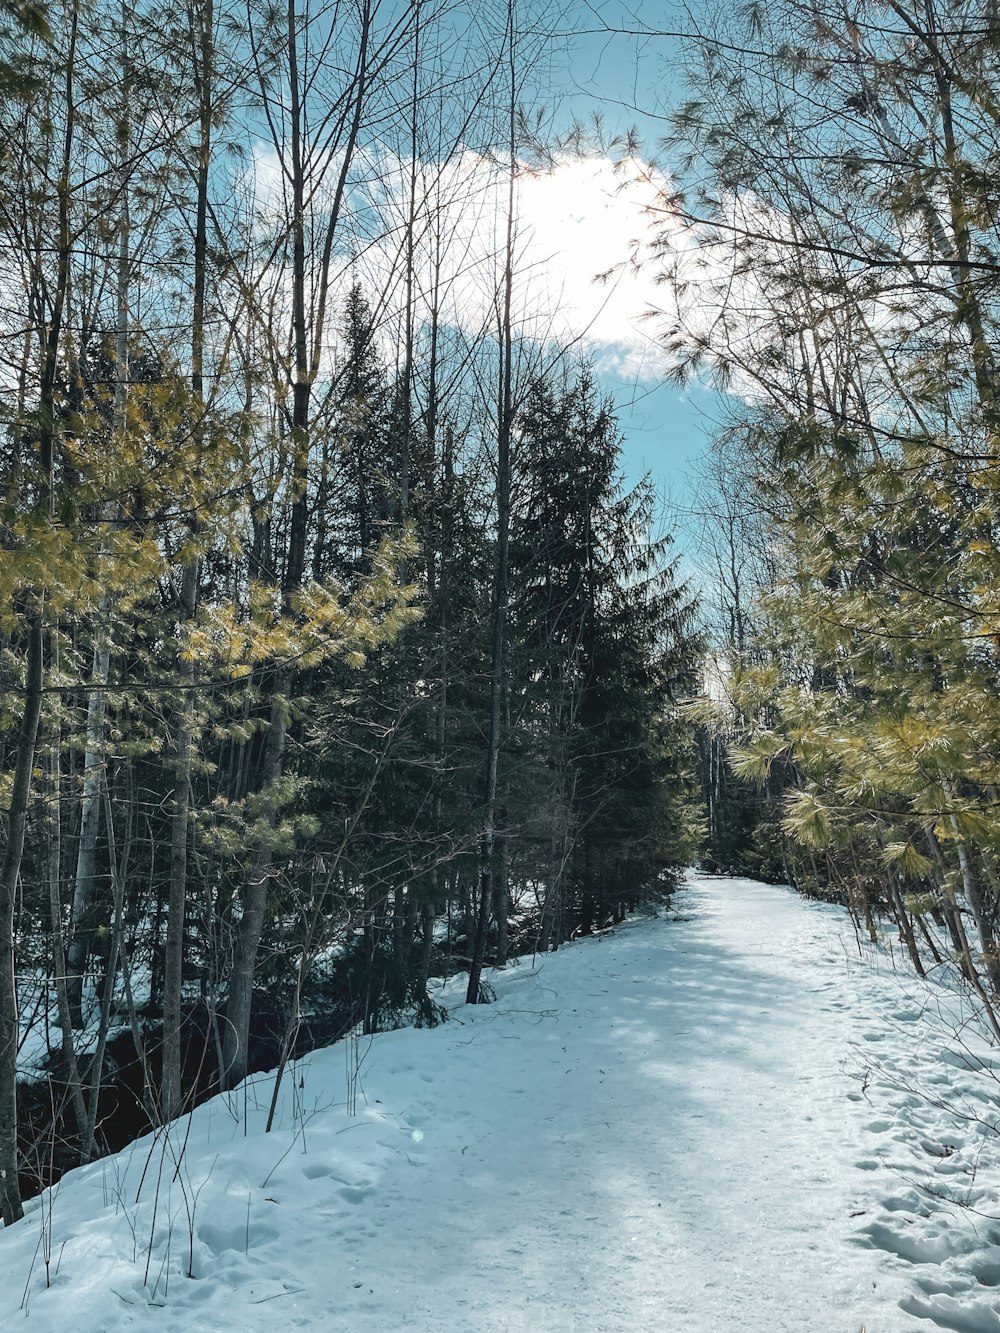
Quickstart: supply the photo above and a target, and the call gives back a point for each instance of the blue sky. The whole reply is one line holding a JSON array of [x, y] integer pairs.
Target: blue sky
[[630, 81]]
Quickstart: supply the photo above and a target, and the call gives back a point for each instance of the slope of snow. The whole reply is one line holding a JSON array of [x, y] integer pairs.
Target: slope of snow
[[728, 1122]]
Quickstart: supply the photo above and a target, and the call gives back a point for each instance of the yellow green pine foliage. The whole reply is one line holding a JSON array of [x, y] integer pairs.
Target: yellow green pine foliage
[[873, 696], [140, 489], [236, 636]]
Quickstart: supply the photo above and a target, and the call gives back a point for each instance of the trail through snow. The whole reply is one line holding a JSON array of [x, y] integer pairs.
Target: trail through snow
[[725, 1122]]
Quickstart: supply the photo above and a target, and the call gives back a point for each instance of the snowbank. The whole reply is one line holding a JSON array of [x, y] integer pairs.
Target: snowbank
[[726, 1122]]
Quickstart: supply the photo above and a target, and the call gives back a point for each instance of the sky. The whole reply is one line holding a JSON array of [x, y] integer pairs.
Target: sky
[[629, 81], [582, 217]]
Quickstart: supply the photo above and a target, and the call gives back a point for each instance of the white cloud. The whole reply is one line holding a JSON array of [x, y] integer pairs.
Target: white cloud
[[582, 219], [575, 221]]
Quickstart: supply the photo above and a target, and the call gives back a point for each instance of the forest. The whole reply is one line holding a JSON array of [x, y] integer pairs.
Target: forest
[[844, 286], [335, 653]]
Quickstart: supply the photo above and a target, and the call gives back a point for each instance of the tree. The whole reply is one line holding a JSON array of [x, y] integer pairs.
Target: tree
[[604, 651], [861, 324], [264, 690], [315, 139]]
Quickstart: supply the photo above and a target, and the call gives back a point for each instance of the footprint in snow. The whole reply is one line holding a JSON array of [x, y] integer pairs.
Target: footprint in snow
[[948, 1313], [914, 1246], [987, 1274], [355, 1193]]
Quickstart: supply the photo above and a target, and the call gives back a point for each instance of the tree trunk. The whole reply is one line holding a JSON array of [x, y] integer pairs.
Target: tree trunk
[[72, 1070], [201, 26], [505, 429], [905, 925], [501, 905], [85, 889], [11, 1209], [426, 948], [974, 897], [89, 1148], [239, 1001], [173, 953]]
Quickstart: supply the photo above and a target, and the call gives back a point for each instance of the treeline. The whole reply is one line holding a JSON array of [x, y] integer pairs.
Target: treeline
[[842, 167], [332, 651]]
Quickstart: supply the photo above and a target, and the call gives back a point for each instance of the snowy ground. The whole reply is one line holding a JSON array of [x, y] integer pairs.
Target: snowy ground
[[726, 1123]]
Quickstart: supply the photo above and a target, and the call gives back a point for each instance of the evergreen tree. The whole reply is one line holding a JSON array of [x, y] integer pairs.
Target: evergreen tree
[[860, 320], [604, 649]]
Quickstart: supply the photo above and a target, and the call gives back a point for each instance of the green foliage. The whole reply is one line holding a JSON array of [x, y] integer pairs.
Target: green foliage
[[910, 862], [602, 649], [807, 820], [866, 701]]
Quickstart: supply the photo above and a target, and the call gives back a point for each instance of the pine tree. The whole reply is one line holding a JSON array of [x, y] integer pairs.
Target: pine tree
[[860, 319], [604, 645]]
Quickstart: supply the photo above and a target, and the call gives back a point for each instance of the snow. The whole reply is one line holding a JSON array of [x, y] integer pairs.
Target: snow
[[731, 1119]]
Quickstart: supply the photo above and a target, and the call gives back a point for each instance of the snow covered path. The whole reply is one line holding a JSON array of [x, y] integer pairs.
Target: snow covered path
[[724, 1123]]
